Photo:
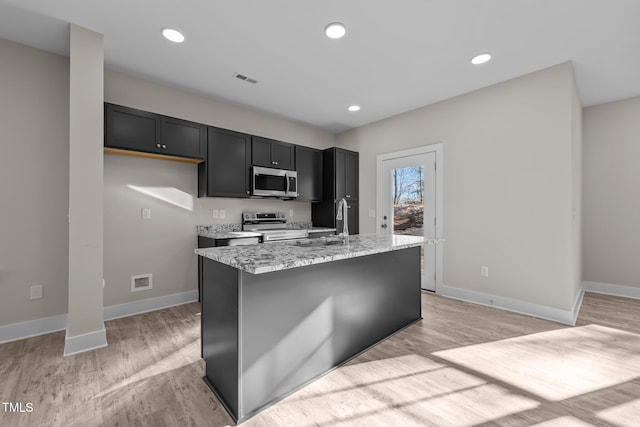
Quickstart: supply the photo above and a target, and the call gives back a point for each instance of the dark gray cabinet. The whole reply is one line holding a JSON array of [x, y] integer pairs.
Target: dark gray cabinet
[[309, 169], [339, 180], [225, 173], [136, 130], [270, 153], [346, 174], [182, 138]]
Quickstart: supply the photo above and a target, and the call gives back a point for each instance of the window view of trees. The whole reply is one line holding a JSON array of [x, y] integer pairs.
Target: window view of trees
[[408, 200]]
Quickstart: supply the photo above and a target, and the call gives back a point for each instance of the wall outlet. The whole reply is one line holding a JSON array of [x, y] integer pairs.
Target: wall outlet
[[215, 213], [484, 271], [290, 213], [146, 213], [35, 292], [223, 214]]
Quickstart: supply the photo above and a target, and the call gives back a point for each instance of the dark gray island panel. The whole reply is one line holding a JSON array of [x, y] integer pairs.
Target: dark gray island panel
[[219, 331], [296, 324]]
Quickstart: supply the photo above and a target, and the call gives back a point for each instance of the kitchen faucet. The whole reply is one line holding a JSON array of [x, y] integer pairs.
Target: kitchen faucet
[[343, 214]]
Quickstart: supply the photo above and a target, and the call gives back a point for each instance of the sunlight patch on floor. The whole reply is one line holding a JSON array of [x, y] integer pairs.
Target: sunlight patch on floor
[[370, 393], [625, 415], [567, 421], [173, 361], [558, 364]]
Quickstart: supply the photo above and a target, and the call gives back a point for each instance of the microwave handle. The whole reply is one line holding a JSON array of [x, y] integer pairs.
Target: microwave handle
[[286, 177]]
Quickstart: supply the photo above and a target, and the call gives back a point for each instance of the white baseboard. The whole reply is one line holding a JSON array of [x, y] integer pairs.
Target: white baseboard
[[85, 342], [32, 328], [567, 317], [611, 289], [47, 325], [152, 304]]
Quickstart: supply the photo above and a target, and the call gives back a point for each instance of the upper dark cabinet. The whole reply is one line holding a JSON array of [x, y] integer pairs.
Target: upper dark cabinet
[[272, 154], [225, 173], [309, 168], [183, 138], [131, 129]]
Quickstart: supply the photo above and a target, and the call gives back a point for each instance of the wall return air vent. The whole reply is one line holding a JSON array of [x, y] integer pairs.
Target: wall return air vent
[[245, 78], [141, 282]]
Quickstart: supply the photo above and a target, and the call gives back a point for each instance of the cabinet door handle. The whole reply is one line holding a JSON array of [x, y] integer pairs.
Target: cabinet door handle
[[348, 196], [164, 146], [158, 145]]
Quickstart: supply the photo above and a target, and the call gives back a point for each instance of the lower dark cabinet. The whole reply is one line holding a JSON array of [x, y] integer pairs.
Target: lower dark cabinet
[[225, 173], [309, 169]]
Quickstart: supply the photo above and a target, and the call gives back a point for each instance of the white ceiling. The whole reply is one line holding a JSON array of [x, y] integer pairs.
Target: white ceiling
[[397, 55]]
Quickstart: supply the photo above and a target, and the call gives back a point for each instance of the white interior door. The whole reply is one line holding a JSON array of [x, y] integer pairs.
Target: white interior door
[[409, 204]]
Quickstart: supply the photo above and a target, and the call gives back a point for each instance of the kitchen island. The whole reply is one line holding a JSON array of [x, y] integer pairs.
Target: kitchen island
[[276, 316]]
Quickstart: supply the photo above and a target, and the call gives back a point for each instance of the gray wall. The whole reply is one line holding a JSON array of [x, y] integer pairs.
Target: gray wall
[[86, 136], [34, 182], [34, 186], [163, 245], [509, 183], [611, 186]]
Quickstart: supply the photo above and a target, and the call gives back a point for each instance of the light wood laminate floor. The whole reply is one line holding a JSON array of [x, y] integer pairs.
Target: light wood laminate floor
[[462, 365]]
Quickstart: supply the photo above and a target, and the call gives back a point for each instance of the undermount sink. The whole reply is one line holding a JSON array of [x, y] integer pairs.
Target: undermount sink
[[313, 243]]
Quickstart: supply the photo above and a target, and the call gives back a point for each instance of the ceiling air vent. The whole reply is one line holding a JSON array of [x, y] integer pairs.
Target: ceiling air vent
[[245, 78]]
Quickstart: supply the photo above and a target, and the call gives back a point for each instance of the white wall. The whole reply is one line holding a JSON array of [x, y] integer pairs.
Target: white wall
[[611, 185], [508, 183], [34, 182]]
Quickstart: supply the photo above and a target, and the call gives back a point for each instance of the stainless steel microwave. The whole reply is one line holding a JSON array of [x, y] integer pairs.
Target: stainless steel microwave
[[274, 182]]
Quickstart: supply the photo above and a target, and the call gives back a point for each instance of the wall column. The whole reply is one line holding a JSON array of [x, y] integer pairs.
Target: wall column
[[85, 329]]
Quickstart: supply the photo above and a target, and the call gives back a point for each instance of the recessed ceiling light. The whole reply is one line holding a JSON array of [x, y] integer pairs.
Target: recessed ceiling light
[[173, 35], [354, 108], [481, 58], [335, 30]]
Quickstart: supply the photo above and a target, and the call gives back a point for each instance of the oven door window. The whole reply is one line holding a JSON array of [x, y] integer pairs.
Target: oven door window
[[270, 182]]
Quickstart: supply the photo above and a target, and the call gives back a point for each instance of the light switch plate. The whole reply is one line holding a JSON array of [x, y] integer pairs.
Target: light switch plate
[[223, 214], [215, 213], [290, 213], [372, 213], [146, 213], [484, 271]]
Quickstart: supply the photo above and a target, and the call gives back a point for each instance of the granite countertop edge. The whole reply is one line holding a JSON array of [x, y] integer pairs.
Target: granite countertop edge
[[270, 257]]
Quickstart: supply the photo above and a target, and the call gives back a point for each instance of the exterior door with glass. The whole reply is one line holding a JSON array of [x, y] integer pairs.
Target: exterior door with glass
[[409, 205]]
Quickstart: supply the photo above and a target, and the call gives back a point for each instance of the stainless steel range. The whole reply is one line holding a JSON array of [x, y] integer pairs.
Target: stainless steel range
[[272, 226]]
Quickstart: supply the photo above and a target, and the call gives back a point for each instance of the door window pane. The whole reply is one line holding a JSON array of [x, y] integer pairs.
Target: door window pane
[[407, 195]]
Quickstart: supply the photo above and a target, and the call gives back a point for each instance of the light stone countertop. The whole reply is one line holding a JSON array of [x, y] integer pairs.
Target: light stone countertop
[[268, 257], [320, 229], [236, 234], [228, 234]]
